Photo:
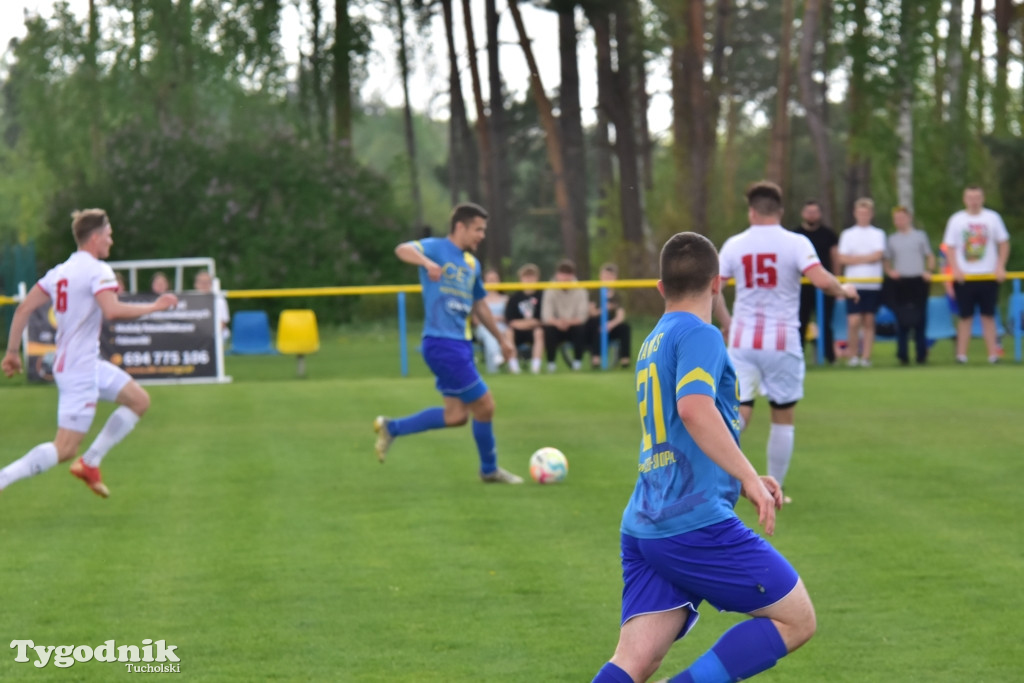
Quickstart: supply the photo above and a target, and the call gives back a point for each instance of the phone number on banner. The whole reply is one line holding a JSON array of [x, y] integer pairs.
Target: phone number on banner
[[133, 359]]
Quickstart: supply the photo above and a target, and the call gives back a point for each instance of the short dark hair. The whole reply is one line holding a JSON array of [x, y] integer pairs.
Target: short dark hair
[[465, 212], [85, 222], [974, 186], [566, 267], [812, 202], [689, 262], [765, 197]]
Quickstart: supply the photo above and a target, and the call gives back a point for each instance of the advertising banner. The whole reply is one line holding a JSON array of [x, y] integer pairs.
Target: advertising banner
[[177, 344]]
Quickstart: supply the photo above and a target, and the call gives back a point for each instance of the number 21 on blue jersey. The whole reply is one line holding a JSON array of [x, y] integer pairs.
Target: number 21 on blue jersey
[[652, 416]]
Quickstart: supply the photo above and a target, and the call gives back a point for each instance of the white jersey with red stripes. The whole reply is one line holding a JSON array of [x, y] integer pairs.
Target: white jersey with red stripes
[[72, 287], [767, 262]]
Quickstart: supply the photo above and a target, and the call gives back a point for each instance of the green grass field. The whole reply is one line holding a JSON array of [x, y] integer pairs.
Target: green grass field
[[251, 526]]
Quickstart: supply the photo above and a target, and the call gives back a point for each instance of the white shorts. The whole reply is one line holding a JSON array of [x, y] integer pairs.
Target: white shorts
[[79, 393], [779, 375]]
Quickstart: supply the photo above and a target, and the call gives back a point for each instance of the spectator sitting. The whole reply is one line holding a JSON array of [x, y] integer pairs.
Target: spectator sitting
[[203, 283], [564, 317], [522, 316], [496, 301], [618, 328]]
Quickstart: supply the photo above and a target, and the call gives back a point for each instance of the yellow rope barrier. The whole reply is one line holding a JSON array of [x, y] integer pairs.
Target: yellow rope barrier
[[500, 287]]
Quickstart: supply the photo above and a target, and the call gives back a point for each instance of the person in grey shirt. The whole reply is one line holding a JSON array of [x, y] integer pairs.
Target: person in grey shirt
[[909, 262]]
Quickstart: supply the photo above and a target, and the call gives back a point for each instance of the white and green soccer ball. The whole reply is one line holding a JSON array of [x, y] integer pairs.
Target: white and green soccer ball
[[548, 465]]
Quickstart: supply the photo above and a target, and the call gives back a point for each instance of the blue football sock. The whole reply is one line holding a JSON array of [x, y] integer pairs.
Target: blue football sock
[[746, 649], [431, 418], [610, 673], [484, 436]]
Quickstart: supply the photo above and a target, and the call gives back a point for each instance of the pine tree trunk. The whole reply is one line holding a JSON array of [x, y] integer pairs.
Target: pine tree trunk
[[572, 136], [342, 76], [812, 104], [410, 132], [463, 165], [483, 128], [780, 126], [499, 243], [552, 137], [957, 94], [1001, 92]]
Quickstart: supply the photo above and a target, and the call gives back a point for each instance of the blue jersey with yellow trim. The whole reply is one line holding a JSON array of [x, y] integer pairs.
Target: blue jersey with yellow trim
[[679, 488], [449, 302]]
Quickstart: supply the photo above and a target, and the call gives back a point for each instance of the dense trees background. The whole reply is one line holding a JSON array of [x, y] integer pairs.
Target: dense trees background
[[188, 122]]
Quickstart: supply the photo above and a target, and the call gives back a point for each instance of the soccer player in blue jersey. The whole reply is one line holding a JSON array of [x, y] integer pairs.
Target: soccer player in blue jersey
[[682, 543], [452, 292]]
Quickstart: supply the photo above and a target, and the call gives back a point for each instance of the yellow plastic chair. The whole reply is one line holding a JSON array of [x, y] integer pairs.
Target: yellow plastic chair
[[297, 335]]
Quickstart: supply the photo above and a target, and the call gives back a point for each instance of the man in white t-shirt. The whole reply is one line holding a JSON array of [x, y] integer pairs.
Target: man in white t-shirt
[[861, 248], [763, 332], [83, 290], [980, 243]]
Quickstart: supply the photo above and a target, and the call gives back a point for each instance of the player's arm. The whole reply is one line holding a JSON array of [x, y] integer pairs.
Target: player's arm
[[35, 298], [482, 312], [708, 430], [113, 309], [827, 282], [721, 312], [410, 252]]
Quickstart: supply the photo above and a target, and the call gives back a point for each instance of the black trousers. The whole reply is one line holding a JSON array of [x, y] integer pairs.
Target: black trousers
[[554, 337], [910, 304], [621, 333], [808, 306]]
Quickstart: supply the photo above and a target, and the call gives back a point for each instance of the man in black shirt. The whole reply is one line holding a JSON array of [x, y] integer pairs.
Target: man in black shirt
[[826, 245], [522, 315]]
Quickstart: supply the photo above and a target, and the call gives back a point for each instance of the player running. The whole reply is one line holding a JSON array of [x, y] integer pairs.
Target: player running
[[452, 292], [682, 542], [767, 262], [83, 290]]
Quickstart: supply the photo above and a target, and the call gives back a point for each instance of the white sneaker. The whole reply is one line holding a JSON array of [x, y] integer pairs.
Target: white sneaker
[[865, 363], [962, 360], [853, 362], [535, 366], [501, 476], [384, 438], [576, 365], [552, 367], [513, 366]]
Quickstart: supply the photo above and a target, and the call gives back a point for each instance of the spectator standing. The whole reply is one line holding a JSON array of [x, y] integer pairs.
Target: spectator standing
[[979, 244], [909, 262], [861, 248], [826, 246]]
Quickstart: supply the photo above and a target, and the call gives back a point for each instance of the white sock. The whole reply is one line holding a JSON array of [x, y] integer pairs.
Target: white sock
[[513, 366], [120, 422], [39, 459], [535, 365], [552, 367], [780, 450]]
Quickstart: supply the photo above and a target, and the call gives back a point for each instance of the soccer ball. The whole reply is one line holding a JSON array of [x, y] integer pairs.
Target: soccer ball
[[548, 466]]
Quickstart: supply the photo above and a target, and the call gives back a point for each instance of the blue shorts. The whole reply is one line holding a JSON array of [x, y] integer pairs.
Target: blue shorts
[[869, 302], [726, 563], [452, 362]]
